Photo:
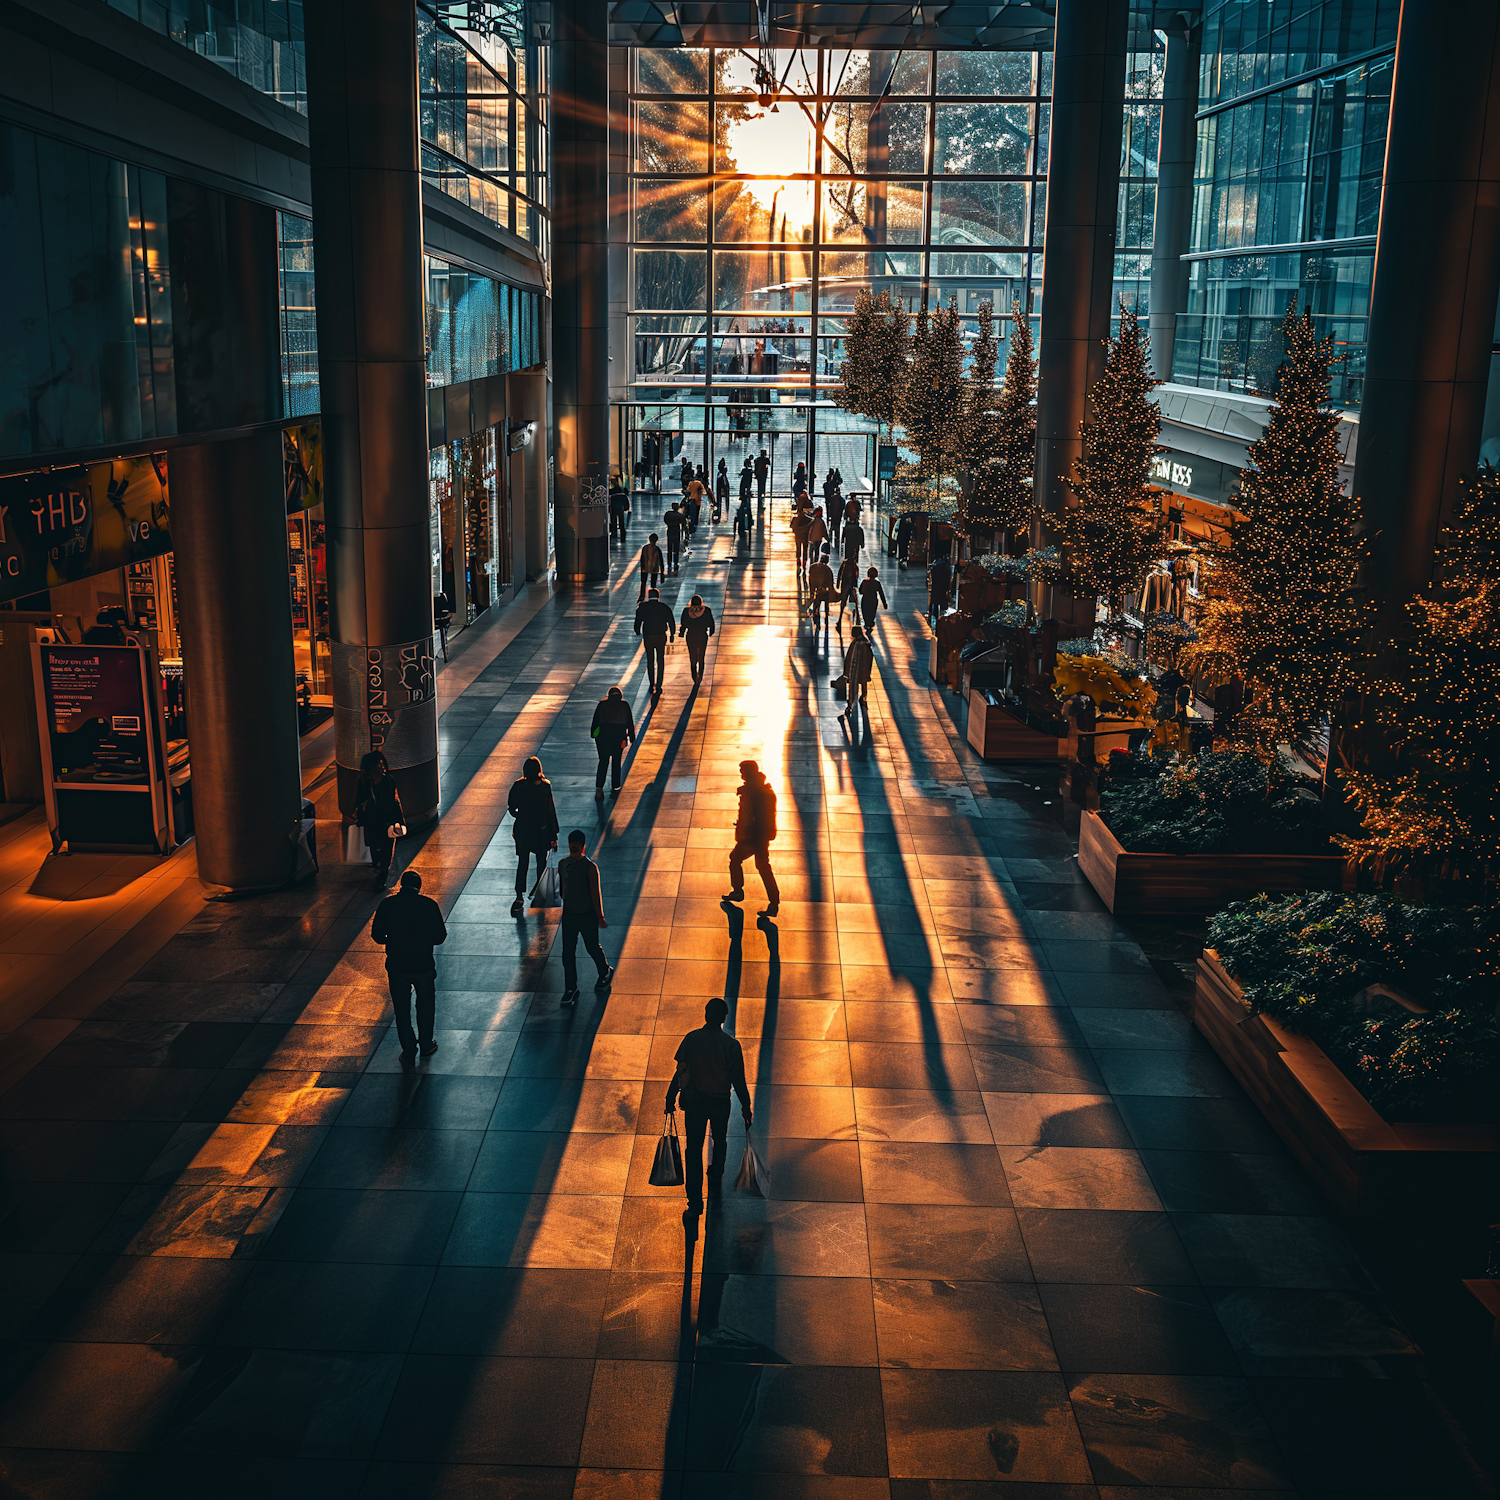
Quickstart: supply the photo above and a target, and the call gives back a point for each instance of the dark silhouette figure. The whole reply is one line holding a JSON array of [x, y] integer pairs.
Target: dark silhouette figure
[[710, 1064], [612, 729], [582, 916], [654, 622], [377, 809], [754, 829], [410, 925], [696, 625], [535, 832]]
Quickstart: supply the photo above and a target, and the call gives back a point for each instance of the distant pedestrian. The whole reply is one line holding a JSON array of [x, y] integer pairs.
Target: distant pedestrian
[[799, 483], [721, 491], [675, 522], [442, 618], [762, 474], [801, 521], [612, 729], [854, 534], [409, 926], [754, 829], [744, 523], [939, 582], [822, 587], [535, 828], [830, 488], [651, 565], [747, 480], [686, 475], [697, 624], [834, 513], [848, 585], [619, 508], [582, 916], [377, 810], [871, 598], [859, 663], [817, 533], [697, 489], [654, 623], [710, 1064], [903, 539]]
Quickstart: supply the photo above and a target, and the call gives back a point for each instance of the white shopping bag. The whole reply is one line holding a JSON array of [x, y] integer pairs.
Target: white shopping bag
[[545, 891], [356, 850], [753, 1176]]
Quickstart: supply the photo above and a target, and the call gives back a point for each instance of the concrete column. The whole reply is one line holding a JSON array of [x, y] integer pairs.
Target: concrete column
[[1172, 231], [229, 536], [1083, 189], [367, 241], [1437, 273], [580, 286]]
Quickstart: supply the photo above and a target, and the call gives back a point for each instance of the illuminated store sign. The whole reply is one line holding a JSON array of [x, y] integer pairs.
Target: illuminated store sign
[[1188, 474]]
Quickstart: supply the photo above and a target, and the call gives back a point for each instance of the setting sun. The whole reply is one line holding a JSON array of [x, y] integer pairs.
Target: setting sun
[[770, 143]]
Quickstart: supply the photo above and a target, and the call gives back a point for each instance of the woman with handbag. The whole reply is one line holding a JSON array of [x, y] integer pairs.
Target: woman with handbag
[[535, 832], [612, 729], [377, 810]]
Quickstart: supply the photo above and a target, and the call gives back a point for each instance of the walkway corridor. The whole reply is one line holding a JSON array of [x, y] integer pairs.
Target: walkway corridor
[[1025, 1238]]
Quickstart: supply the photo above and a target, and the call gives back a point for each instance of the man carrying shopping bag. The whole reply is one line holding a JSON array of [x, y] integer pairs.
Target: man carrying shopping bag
[[710, 1064]]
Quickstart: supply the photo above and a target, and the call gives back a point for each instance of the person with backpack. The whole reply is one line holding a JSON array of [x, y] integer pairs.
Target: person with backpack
[[754, 829], [654, 623], [582, 916], [848, 585], [859, 662], [696, 625], [710, 1064], [651, 565], [817, 534], [871, 598], [409, 926], [822, 588], [612, 729], [535, 828]]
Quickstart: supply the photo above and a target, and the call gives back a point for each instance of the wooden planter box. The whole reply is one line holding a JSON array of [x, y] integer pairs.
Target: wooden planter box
[[1372, 1170], [1152, 884], [997, 734]]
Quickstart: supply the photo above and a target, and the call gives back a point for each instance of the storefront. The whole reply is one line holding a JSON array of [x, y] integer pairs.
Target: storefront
[[470, 525]]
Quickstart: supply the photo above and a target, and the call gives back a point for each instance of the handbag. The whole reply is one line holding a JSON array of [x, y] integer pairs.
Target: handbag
[[546, 890], [356, 850], [666, 1167], [753, 1177], [396, 831]]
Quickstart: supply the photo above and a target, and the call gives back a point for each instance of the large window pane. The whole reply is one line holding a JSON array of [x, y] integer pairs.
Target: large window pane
[[876, 73], [983, 138], [671, 70], [872, 213], [667, 208], [737, 72], [844, 274], [979, 213], [764, 144], [875, 138], [671, 137], [986, 73], [763, 280], [669, 279], [763, 211]]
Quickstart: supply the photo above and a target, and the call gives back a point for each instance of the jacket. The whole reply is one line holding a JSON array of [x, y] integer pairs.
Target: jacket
[[703, 624], [674, 521], [652, 617], [762, 467], [709, 1061], [871, 594], [848, 583], [854, 536], [409, 925], [747, 478], [530, 804], [614, 723], [756, 823], [859, 662], [817, 532], [378, 805], [651, 559], [578, 882], [820, 583]]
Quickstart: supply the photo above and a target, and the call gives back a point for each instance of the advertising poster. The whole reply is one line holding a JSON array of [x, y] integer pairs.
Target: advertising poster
[[302, 465], [64, 524], [96, 714]]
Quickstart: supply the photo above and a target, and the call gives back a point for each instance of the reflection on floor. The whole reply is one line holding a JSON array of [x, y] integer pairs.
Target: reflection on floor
[[1025, 1230]]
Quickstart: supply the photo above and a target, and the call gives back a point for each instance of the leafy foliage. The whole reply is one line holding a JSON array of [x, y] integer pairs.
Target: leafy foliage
[[1114, 533], [1304, 958], [1284, 611], [1433, 814], [1223, 802]]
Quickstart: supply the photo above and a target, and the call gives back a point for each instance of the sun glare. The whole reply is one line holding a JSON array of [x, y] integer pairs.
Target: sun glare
[[767, 145]]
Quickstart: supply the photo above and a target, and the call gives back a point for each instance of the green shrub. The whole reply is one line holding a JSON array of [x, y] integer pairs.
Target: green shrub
[[1223, 802], [1303, 959]]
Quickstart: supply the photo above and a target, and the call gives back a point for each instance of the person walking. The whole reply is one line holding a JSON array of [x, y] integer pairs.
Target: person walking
[[697, 489], [675, 522], [710, 1064], [854, 534], [696, 625], [817, 534], [442, 618], [744, 522], [654, 623], [762, 474], [939, 582], [871, 599], [612, 729], [619, 508], [754, 829], [747, 481], [721, 491], [859, 662], [834, 513], [903, 540], [651, 565], [801, 522], [377, 810], [582, 916], [848, 585], [409, 926], [822, 587], [686, 474], [799, 484], [535, 826]]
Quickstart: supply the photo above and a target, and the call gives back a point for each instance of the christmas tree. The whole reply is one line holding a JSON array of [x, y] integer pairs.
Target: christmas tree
[[877, 339], [1000, 445], [1113, 534], [1284, 612], [931, 409], [1432, 812]]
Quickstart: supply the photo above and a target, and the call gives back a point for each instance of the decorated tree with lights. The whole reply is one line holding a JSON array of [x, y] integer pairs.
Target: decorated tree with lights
[[932, 408], [1005, 435], [1432, 809], [877, 340], [1285, 611], [1113, 534]]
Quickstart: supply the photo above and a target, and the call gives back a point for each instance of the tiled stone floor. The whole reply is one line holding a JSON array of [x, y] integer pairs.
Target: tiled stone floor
[[1027, 1238]]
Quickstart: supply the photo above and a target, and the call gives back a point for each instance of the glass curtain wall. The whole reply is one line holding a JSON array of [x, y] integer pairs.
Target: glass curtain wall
[[1293, 107], [1140, 139], [753, 228]]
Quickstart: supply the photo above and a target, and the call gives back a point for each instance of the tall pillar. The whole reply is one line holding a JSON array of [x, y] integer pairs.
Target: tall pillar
[[372, 370], [1173, 226], [1437, 272], [1083, 189], [229, 537], [580, 286]]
